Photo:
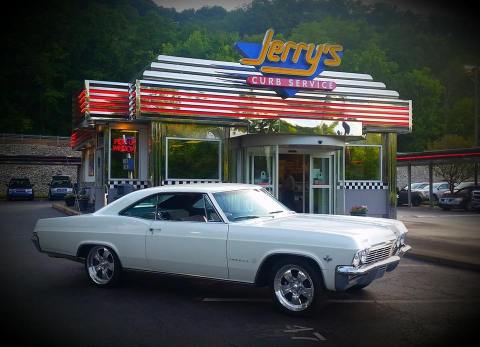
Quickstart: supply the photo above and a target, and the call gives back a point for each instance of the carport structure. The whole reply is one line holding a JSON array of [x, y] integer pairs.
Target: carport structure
[[431, 158]]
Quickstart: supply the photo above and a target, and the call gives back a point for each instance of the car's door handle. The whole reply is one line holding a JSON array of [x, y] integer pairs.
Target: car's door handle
[[154, 229]]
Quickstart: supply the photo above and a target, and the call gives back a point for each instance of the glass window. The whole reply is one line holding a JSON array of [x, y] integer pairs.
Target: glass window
[[212, 215], [193, 159], [181, 207], [363, 163], [145, 208], [248, 203], [124, 154]]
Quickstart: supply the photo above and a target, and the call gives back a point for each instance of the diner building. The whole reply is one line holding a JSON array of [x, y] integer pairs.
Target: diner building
[[321, 146]]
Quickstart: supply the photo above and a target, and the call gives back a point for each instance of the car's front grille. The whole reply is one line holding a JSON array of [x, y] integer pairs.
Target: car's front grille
[[379, 253]]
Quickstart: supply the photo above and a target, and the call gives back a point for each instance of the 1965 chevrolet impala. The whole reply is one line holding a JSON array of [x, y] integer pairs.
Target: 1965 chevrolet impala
[[232, 232]]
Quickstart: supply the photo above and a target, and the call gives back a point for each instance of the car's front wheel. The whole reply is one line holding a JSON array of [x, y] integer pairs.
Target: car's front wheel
[[295, 286], [102, 266]]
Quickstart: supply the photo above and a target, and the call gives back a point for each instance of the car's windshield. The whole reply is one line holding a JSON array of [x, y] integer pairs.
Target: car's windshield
[[248, 203], [20, 182], [61, 184]]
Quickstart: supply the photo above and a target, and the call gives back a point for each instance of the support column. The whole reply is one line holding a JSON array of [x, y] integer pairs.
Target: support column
[[430, 182], [389, 141], [475, 173], [409, 187]]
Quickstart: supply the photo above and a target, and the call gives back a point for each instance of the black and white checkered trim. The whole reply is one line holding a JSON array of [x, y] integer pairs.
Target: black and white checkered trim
[[138, 184], [363, 185], [172, 182]]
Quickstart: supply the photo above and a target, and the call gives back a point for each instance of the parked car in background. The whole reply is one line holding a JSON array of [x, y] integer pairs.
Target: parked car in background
[[20, 188], [59, 188], [402, 197], [231, 232], [459, 199], [61, 178], [415, 186], [475, 202], [464, 185], [439, 188]]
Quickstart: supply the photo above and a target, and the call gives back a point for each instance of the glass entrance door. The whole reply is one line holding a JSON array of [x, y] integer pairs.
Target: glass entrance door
[[321, 184], [293, 176]]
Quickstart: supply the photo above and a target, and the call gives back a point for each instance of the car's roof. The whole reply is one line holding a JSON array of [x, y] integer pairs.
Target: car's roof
[[178, 188], [201, 187]]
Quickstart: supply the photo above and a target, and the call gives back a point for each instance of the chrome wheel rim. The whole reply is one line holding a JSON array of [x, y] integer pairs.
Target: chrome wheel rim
[[293, 287], [100, 265]]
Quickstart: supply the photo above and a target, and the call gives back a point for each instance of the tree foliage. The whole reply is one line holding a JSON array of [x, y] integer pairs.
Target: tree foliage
[[55, 45]]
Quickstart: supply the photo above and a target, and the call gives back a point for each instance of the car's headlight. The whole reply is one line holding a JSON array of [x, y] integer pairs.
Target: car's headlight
[[28, 190], [360, 257]]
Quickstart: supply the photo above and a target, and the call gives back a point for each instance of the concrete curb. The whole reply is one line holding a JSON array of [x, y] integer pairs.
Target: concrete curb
[[65, 209], [443, 261]]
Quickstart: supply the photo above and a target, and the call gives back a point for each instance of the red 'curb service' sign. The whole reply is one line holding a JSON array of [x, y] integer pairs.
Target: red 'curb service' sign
[[262, 81]]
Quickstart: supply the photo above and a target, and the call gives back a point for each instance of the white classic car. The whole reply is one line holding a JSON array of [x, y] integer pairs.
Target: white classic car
[[233, 232]]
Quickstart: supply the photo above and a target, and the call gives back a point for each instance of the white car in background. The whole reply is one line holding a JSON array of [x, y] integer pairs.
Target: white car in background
[[232, 232], [439, 188]]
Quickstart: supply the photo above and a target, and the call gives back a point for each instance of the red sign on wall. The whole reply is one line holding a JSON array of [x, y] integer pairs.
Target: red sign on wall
[[262, 81], [125, 145]]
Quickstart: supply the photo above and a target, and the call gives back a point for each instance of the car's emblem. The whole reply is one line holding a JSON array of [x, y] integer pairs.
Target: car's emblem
[[327, 258]]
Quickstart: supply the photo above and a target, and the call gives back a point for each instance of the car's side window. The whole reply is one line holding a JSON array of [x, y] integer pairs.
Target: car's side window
[[181, 207], [212, 215], [145, 208]]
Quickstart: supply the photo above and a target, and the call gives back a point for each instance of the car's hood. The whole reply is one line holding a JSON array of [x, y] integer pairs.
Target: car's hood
[[365, 230]]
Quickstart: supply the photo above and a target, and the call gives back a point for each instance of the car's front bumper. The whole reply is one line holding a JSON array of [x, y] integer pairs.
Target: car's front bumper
[[347, 276]]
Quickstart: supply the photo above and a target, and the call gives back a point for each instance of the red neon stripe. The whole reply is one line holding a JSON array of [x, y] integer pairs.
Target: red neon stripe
[[438, 156], [110, 98], [263, 116], [258, 100], [110, 111], [329, 108], [241, 111], [105, 104]]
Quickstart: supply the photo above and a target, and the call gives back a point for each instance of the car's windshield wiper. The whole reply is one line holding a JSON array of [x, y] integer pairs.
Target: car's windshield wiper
[[249, 217], [273, 212]]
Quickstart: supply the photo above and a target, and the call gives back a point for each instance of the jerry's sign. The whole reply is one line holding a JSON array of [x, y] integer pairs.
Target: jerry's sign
[[276, 58]]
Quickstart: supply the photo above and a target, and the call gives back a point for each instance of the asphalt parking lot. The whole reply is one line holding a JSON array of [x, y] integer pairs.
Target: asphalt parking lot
[[49, 301]]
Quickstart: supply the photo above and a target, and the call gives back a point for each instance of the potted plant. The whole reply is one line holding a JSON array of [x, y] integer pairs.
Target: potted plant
[[69, 199], [359, 210]]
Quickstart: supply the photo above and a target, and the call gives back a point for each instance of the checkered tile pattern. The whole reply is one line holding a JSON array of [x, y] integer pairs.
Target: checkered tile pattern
[[363, 185], [172, 182], [138, 184]]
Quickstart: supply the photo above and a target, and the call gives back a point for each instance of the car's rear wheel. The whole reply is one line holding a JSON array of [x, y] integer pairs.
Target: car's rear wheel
[[295, 286], [102, 266]]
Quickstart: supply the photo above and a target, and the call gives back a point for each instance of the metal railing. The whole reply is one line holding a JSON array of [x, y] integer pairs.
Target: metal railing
[[35, 139]]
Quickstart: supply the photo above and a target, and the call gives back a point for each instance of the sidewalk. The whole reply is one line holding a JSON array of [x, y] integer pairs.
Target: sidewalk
[[445, 237]]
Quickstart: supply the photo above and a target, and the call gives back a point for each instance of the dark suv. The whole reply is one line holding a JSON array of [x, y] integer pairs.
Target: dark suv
[[460, 199], [20, 188]]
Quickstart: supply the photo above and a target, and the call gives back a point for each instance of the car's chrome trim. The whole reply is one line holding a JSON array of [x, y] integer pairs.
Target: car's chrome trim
[[351, 270], [188, 276]]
